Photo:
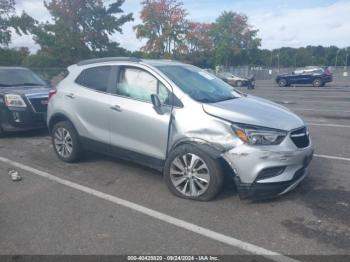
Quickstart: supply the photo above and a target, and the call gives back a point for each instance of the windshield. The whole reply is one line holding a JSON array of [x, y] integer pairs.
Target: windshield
[[199, 84], [19, 77]]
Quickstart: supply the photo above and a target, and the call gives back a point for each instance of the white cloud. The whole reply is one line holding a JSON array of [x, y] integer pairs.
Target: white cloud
[[278, 26], [326, 25]]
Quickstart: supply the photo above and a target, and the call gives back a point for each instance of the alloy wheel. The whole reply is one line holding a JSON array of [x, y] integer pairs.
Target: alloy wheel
[[190, 175], [63, 142]]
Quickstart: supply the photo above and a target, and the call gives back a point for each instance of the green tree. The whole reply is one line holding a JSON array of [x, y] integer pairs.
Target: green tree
[[80, 29], [232, 35], [9, 20], [13, 57]]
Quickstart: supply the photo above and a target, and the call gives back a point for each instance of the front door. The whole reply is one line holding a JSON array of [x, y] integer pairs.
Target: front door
[[134, 123]]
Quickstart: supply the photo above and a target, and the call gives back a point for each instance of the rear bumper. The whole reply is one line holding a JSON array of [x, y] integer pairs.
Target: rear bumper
[[21, 119], [327, 79]]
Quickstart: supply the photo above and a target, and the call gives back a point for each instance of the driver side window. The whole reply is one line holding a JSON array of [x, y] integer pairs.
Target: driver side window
[[140, 85]]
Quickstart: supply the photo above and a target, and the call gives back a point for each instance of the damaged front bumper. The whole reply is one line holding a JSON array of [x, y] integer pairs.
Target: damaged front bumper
[[267, 172]]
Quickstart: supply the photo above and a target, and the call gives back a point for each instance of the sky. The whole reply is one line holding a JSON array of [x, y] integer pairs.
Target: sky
[[281, 23]]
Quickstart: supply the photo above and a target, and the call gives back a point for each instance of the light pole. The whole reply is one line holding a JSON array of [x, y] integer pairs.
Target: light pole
[[336, 58], [278, 60], [295, 61], [346, 61]]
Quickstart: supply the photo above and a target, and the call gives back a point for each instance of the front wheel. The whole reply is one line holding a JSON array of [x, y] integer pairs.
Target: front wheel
[[239, 83], [282, 83], [65, 141], [190, 173]]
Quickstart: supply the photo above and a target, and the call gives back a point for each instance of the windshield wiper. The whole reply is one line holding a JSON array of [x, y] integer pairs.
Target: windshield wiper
[[227, 98], [27, 84]]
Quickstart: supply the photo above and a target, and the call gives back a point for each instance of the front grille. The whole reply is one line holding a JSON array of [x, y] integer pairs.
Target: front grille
[[300, 137], [39, 104]]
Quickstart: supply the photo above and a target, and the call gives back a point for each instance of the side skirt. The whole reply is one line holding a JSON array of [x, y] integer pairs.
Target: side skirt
[[125, 154]]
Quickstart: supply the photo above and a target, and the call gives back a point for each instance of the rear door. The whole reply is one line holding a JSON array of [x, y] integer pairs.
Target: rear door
[[89, 101], [134, 123]]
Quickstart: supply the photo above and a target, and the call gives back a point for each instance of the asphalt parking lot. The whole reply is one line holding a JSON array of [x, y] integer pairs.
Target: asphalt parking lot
[[82, 211]]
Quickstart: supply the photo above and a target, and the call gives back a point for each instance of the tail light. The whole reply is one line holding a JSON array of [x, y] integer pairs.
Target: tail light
[[328, 72], [52, 92]]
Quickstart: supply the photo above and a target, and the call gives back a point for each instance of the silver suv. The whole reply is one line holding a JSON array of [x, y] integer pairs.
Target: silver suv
[[181, 120]]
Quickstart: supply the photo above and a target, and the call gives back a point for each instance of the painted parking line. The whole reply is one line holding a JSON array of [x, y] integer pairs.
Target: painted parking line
[[327, 125], [332, 157], [228, 240]]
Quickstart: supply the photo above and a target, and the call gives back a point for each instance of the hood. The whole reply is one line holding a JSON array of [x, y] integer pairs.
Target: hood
[[255, 111], [25, 90]]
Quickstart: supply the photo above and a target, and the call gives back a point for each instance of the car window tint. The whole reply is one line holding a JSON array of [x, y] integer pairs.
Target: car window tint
[[136, 83], [95, 78]]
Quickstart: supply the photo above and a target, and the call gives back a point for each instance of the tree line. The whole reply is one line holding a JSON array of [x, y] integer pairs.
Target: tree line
[[82, 29]]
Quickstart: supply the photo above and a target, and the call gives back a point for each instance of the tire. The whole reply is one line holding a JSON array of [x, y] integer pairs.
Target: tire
[[317, 82], [65, 141], [282, 83], [239, 83], [202, 184]]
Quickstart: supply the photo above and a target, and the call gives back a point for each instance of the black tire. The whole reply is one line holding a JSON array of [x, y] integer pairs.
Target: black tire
[[317, 82], [282, 83], [215, 173], [76, 151]]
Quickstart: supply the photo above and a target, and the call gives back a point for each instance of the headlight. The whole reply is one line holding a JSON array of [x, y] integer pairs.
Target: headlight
[[14, 101], [254, 135]]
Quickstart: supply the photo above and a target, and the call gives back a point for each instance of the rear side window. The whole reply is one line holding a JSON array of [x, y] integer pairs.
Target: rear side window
[[96, 78]]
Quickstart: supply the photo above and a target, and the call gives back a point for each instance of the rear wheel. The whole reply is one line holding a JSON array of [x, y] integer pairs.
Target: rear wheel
[[192, 174], [65, 142], [317, 82], [282, 82]]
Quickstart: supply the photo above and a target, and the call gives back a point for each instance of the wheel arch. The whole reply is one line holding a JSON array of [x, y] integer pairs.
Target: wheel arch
[[212, 150], [58, 117]]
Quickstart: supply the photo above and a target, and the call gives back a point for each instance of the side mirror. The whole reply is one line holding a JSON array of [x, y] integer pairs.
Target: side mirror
[[156, 101]]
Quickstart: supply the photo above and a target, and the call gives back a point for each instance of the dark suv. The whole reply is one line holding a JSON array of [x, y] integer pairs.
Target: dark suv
[[23, 100], [317, 76]]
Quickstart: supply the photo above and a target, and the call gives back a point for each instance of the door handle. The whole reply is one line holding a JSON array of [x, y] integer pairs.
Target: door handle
[[116, 108], [71, 95]]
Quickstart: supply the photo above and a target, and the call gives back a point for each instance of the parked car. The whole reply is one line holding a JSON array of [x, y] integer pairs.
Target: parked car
[[237, 81], [317, 76], [182, 121], [23, 100]]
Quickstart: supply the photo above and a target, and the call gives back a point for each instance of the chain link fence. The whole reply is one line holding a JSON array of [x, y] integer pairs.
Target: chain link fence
[[341, 74], [51, 75]]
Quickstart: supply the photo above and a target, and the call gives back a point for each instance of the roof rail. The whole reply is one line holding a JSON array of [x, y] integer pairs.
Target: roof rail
[[108, 59]]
